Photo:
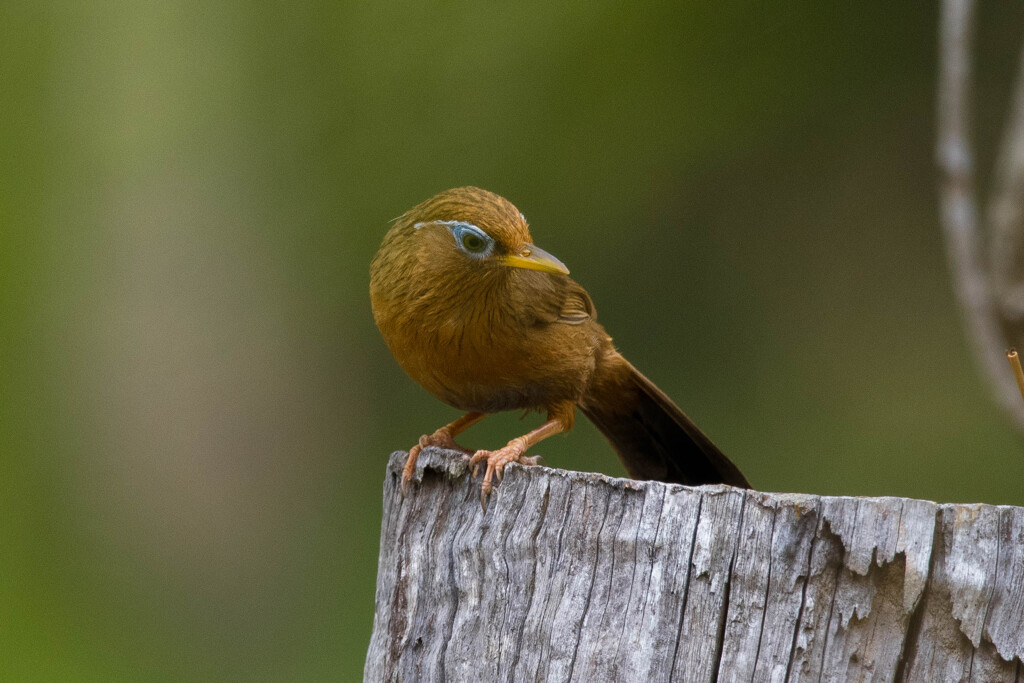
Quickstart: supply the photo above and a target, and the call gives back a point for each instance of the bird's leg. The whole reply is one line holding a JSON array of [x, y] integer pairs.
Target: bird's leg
[[444, 438], [560, 419]]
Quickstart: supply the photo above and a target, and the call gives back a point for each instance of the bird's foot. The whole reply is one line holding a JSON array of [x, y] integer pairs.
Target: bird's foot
[[496, 461], [442, 438]]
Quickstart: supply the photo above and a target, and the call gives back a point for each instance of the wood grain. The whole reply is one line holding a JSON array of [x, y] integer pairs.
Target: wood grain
[[573, 576]]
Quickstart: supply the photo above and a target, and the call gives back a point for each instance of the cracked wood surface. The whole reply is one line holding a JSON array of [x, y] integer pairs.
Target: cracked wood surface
[[572, 576]]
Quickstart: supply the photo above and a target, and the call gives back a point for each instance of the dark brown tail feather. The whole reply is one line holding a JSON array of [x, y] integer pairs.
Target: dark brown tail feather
[[652, 436]]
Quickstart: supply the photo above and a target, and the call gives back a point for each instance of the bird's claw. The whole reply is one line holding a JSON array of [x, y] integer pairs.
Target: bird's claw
[[442, 438], [410, 468], [496, 462]]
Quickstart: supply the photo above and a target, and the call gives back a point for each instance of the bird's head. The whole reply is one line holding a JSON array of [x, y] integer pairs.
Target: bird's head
[[467, 228]]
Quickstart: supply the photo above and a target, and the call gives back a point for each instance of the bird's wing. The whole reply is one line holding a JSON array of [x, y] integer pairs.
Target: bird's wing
[[577, 308], [556, 299]]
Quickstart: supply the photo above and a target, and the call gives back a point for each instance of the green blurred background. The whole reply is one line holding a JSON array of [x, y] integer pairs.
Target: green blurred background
[[196, 408]]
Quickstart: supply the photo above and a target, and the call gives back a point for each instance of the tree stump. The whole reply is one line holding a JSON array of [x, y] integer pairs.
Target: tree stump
[[572, 576]]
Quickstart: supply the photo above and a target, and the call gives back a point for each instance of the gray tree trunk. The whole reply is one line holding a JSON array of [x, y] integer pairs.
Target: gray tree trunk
[[580, 577]]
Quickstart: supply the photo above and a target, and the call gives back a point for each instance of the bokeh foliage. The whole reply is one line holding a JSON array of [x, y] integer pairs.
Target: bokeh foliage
[[196, 408]]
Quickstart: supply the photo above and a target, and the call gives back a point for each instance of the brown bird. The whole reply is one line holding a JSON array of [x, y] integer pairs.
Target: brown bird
[[486, 322]]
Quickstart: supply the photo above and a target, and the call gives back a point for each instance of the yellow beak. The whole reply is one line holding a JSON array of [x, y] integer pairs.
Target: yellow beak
[[535, 258]]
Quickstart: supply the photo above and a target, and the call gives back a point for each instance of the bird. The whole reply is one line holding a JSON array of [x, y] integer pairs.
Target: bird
[[487, 321]]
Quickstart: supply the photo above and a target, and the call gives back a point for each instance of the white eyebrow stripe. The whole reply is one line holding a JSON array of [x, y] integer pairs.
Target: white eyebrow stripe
[[449, 224]]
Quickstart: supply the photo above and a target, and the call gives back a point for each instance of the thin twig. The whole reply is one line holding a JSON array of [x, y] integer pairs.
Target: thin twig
[[960, 206]]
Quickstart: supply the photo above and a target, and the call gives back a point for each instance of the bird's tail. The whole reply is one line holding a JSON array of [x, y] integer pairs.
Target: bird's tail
[[652, 436]]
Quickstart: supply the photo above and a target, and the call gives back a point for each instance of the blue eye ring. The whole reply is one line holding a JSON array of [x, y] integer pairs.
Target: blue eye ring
[[472, 239]]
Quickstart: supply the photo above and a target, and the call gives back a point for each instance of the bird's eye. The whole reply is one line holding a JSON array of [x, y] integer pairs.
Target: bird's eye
[[472, 239], [473, 242]]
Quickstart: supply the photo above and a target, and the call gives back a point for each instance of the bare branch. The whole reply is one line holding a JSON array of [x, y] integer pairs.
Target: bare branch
[[960, 221], [1006, 210]]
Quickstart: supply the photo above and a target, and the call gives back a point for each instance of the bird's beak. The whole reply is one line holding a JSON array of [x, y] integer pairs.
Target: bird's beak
[[535, 258]]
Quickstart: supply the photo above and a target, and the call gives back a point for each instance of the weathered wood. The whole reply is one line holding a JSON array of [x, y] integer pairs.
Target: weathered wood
[[572, 576]]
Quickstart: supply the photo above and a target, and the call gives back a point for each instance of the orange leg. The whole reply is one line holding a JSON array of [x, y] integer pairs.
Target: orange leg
[[560, 419], [443, 437]]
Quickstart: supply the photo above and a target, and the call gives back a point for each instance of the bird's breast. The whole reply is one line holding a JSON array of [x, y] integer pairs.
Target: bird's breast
[[485, 357]]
